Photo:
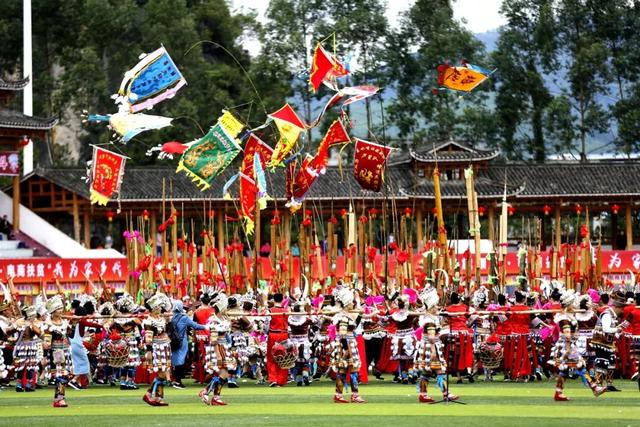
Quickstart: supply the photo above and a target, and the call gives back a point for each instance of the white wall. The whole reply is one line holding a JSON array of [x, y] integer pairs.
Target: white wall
[[49, 236]]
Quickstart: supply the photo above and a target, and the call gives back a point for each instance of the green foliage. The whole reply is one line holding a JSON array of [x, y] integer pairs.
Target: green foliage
[[567, 70], [430, 36]]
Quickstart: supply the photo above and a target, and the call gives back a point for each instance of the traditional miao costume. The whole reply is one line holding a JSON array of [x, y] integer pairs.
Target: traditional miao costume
[[403, 340], [522, 357], [373, 334], [459, 348], [603, 343], [566, 354], [345, 357], [158, 343], [56, 338], [218, 361], [299, 337], [278, 332], [632, 337], [429, 359], [28, 351], [6, 330], [128, 329]]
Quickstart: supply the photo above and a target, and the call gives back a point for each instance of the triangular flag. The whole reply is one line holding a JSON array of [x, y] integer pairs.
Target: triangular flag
[[290, 126], [336, 134], [325, 68]]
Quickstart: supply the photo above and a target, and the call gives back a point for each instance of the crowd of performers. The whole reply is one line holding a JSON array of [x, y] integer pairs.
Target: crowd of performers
[[417, 335]]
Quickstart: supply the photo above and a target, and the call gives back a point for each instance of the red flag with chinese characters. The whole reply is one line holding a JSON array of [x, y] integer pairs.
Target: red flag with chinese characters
[[106, 175], [255, 145], [368, 164], [325, 67], [336, 134], [463, 78], [248, 190]]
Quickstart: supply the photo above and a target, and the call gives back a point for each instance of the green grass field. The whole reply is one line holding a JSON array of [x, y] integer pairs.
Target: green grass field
[[488, 404]]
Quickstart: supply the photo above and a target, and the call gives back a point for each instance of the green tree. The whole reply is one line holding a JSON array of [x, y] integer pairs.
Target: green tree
[[361, 33], [585, 57], [525, 50], [429, 36]]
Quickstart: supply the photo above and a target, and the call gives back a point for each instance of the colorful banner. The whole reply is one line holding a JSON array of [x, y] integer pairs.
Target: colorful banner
[[107, 171], [210, 155], [255, 145], [9, 163], [153, 79], [325, 68], [28, 274], [464, 78], [336, 134], [358, 93], [248, 191], [290, 126], [34, 270], [303, 181], [368, 164]]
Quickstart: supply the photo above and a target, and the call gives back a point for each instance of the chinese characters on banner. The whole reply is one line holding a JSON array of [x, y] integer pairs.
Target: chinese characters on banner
[[368, 164], [9, 163], [106, 175], [34, 270]]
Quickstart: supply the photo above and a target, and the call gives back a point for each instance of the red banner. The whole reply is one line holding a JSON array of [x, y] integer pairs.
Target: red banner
[[616, 266], [336, 135], [70, 272], [106, 175], [9, 163], [368, 164], [255, 145], [248, 191]]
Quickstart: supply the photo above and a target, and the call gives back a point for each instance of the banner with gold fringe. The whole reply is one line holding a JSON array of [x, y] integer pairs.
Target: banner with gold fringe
[[107, 170], [209, 156], [368, 164]]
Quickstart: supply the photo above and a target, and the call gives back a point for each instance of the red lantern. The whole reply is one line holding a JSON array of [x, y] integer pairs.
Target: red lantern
[[546, 209], [434, 211], [212, 213], [333, 220], [145, 215], [511, 210], [307, 212], [363, 219], [306, 222], [615, 209], [276, 217], [373, 212], [110, 216], [343, 213], [481, 210], [407, 212], [578, 208]]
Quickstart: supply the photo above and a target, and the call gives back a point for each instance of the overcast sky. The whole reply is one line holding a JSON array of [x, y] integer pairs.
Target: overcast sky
[[480, 15]]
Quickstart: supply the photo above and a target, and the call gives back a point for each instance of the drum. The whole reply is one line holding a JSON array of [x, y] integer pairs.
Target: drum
[[491, 354], [285, 354], [117, 353]]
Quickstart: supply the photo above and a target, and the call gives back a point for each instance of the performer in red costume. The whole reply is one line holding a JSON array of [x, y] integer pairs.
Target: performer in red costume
[[278, 326], [522, 355], [460, 340], [201, 316], [632, 333]]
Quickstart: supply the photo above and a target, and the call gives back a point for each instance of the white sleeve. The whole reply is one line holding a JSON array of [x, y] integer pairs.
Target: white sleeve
[[608, 324]]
